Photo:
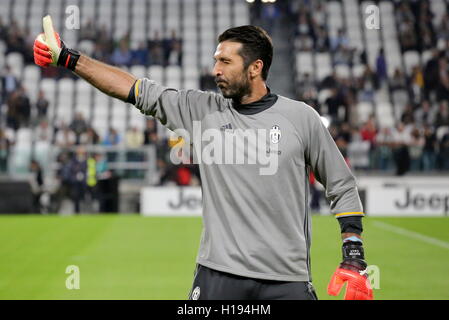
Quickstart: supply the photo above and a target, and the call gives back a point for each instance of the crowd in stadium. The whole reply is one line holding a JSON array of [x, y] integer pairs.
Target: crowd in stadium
[[419, 140]]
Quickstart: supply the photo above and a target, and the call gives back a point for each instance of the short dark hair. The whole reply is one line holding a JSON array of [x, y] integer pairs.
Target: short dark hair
[[256, 44]]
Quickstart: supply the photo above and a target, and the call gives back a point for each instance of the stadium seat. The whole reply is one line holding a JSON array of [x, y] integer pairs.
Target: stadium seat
[[83, 98], [88, 11], [411, 59], [323, 65], [42, 153], [156, 73], [364, 111], [304, 63], [4, 13], [139, 71], [48, 86], [19, 12], [66, 94], [15, 61], [86, 47]]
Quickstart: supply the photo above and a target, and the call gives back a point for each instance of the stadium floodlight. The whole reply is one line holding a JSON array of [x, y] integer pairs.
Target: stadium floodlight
[[250, 1]]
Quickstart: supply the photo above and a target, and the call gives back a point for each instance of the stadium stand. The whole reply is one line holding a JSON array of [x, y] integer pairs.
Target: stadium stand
[[383, 75], [346, 71]]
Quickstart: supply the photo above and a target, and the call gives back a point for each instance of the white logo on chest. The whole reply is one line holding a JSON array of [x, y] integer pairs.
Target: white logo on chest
[[275, 134]]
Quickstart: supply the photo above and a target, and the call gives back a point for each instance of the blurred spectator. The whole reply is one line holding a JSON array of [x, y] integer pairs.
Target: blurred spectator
[[5, 145], [397, 82], [385, 143], [78, 126], [165, 172], [402, 140], [307, 89], [19, 109], [443, 88], [168, 46], [424, 115], [429, 149], [78, 170], [88, 31], [24, 107], [134, 138], [156, 50], [407, 117], [9, 83], [443, 28], [358, 151], [3, 30], [63, 175], [175, 57], [381, 66], [89, 137], [341, 41], [343, 138], [334, 102], [150, 132], [368, 133], [443, 156], [37, 185], [407, 36], [368, 83], [44, 132], [65, 137], [431, 72], [415, 149], [122, 55], [183, 176], [140, 56], [417, 84], [41, 105], [442, 115], [112, 138], [322, 42]]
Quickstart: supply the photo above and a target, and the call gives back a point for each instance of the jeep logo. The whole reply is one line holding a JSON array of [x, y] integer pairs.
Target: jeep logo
[[423, 202]]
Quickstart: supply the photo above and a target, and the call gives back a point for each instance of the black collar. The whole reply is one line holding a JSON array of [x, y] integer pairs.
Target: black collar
[[264, 103]]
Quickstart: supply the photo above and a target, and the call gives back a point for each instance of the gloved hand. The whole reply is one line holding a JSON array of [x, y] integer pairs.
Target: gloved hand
[[50, 50], [353, 271]]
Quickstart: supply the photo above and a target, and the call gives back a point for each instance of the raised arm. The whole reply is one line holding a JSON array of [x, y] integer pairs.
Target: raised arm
[[110, 80], [175, 109], [50, 50]]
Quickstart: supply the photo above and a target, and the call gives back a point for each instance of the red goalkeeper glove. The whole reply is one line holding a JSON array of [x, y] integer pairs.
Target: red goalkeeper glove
[[50, 50], [353, 272]]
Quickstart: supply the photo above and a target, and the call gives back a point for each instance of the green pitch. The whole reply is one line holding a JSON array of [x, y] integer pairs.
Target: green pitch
[[132, 257]]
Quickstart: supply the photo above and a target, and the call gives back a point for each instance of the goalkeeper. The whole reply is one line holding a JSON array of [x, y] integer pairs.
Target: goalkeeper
[[257, 233]]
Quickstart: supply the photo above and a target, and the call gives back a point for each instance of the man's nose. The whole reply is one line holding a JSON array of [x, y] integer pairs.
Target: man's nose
[[217, 71]]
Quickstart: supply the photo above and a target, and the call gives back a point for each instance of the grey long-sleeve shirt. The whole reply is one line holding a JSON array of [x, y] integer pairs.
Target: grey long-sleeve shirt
[[257, 225]]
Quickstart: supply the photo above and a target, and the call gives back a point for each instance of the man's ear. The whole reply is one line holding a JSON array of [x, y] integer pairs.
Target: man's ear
[[256, 68]]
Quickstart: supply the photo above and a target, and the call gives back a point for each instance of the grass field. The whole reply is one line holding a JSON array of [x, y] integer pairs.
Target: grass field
[[133, 257]]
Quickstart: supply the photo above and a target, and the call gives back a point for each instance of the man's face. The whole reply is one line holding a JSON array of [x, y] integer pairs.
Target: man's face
[[231, 76]]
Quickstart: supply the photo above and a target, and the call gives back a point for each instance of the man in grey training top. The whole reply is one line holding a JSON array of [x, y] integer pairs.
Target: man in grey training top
[[256, 238]]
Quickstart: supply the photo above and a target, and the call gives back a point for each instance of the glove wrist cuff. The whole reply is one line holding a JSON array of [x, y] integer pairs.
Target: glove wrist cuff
[[353, 250], [68, 58]]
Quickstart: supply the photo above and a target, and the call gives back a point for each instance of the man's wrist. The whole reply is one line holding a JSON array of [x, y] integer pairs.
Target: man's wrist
[[68, 58], [352, 238]]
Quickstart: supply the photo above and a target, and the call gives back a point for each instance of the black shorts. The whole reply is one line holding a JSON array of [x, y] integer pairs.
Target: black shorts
[[209, 284]]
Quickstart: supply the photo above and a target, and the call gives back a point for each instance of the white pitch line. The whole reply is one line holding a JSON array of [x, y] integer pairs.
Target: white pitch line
[[412, 234]]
